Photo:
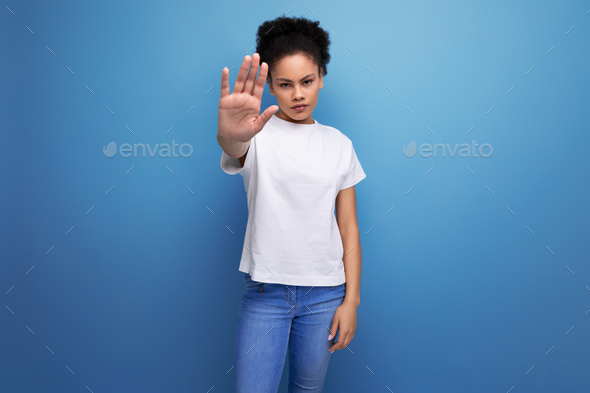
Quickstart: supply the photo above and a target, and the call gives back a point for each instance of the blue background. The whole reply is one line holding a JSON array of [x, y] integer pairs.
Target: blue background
[[473, 268]]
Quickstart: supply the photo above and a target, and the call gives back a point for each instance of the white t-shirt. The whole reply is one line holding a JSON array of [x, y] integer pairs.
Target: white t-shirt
[[292, 175]]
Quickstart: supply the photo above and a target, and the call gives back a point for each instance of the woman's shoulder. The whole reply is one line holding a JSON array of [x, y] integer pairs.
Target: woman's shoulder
[[333, 131], [336, 136]]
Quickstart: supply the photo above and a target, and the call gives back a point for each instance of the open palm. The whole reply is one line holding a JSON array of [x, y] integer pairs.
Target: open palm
[[238, 118]]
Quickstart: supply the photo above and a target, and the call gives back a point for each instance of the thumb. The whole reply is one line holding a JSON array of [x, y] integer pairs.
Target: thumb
[[333, 329], [265, 116]]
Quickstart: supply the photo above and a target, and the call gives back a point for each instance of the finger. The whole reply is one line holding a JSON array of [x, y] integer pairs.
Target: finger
[[343, 341], [333, 329], [336, 346], [224, 82], [239, 85], [259, 86], [265, 117], [252, 73]]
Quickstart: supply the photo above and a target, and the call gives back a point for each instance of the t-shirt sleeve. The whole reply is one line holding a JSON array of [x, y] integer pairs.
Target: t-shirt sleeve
[[355, 173], [231, 166]]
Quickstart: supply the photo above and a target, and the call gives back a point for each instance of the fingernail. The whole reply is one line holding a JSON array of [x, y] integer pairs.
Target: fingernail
[[330, 337]]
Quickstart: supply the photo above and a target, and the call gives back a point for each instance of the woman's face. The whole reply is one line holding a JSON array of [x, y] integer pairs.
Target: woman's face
[[295, 81]]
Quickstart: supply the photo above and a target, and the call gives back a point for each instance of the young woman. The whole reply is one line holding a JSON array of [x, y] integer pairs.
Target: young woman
[[302, 264]]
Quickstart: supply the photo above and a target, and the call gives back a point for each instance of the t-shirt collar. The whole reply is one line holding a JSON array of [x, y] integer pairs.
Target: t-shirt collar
[[288, 125]]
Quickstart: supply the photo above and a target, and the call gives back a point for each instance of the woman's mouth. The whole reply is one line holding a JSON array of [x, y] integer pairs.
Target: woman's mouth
[[299, 108]]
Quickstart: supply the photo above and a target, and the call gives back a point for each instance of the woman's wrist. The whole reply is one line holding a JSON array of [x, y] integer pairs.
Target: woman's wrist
[[352, 301]]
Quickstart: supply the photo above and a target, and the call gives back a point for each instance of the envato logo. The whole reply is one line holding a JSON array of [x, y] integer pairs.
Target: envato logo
[[465, 150], [125, 149]]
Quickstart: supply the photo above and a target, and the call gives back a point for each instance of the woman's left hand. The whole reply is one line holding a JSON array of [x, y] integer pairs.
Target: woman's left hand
[[345, 320]]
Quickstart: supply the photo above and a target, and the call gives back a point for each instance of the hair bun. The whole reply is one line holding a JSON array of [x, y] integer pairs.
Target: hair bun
[[286, 36]]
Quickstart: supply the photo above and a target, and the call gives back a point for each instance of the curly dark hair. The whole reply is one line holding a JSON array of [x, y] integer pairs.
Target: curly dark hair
[[285, 36]]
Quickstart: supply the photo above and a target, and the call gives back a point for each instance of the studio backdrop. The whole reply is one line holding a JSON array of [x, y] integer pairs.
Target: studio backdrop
[[121, 235]]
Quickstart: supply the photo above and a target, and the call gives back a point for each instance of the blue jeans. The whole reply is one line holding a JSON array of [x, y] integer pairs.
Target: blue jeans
[[274, 317]]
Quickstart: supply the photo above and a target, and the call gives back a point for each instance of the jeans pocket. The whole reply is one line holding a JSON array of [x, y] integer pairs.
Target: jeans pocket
[[251, 285], [339, 290]]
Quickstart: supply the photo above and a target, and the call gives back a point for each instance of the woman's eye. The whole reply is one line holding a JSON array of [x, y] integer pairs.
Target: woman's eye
[[307, 84]]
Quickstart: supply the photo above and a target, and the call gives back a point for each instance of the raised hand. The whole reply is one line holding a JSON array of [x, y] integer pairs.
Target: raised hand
[[238, 119]]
